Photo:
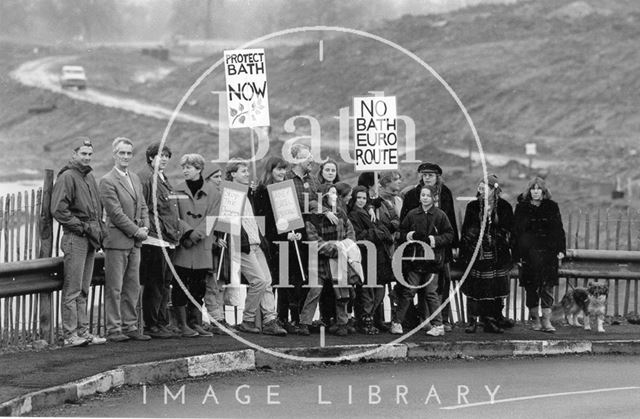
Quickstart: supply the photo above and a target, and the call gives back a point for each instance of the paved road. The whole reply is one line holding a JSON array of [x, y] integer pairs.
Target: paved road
[[584, 386]]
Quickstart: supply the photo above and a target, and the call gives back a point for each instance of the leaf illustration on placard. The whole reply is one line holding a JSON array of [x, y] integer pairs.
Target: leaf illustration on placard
[[238, 114], [256, 108]]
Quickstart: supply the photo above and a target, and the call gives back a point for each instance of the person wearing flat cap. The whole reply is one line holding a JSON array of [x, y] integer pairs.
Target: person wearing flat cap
[[487, 285], [431, 174]]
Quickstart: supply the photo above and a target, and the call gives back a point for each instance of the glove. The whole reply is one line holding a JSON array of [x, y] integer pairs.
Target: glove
[[195, 236], [294, 236], [186, 243]]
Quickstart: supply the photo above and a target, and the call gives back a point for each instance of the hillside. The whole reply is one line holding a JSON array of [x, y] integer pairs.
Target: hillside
[[560, 73]]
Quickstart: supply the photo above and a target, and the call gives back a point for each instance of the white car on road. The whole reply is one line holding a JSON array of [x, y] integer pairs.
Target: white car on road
[[73, 76]]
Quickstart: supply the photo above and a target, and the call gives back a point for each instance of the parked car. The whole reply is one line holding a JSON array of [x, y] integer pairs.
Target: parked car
[[73, 76]]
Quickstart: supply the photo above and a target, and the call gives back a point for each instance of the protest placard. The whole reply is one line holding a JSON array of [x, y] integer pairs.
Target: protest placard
[[375, 133], [231, 206], [246, 80], [286, 209]]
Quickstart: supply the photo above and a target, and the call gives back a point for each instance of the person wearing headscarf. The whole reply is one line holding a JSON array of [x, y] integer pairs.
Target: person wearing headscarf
[[488, 282]]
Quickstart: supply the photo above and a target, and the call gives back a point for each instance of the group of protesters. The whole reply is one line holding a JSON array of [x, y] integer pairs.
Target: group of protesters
[[356, 245]]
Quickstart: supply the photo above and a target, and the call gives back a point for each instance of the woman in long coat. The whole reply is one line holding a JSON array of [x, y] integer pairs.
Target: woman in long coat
[[368, 299], [488, 281], [540, 245], [197, 199]]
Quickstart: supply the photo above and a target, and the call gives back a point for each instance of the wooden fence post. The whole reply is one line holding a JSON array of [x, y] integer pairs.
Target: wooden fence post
[[45, 223], [45, 229]]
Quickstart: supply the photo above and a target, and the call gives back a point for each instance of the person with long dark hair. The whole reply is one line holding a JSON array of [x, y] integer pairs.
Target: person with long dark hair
[[540, 245], [321, 230], [287, 298], [488, 282], [328, 172], [369, 299]]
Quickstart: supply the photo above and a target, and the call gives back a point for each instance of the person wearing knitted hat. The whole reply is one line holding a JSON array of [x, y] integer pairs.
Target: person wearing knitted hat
[[488, 282], [214, 292], [431, 174], [213, 174]]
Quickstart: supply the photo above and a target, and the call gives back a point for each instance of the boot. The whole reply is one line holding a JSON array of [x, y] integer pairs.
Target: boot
[[181, 319], [546, 321], [473, 325], [490, 326], [367, 325], [196, 322], [535, 318]]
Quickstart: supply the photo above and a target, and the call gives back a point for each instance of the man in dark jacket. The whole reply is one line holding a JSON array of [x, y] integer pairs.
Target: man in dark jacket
[[155, 275], [431, 174], [75, 204]]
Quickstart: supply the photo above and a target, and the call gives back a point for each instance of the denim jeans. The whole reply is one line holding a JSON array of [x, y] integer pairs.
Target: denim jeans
[[260, 296], [214, 296], [79, 256]]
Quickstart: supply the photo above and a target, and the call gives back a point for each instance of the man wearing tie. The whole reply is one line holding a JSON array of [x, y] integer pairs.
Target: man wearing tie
[[128, 224]]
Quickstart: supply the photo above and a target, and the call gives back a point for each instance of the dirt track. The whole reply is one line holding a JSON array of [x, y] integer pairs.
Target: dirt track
[[41, 73]]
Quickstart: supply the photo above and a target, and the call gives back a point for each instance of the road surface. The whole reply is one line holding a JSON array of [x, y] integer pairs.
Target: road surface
[[558, 387]]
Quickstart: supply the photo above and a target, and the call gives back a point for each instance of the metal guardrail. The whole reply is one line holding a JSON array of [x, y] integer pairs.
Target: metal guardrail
[[589, 264], [39, 276], [45, 275], [42, 278]]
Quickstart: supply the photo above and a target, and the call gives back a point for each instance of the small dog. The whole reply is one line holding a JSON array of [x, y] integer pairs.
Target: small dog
[[591, 301]]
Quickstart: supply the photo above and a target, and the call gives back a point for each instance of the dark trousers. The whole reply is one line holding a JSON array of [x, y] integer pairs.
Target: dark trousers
[[196, 282], [367, 301], [290, 300], [327, 303], [444, 285], [539, 295], [156, 277], [485, 308], [405, 297]]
